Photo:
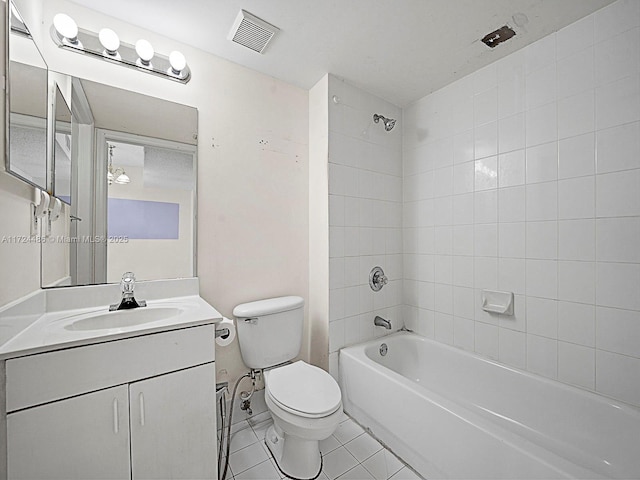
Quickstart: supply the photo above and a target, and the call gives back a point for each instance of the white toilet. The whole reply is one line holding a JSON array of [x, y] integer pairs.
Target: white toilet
[[304, 401]]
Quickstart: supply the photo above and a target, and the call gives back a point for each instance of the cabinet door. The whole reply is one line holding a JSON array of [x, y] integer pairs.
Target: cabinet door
[[173, 425], [84, 437]]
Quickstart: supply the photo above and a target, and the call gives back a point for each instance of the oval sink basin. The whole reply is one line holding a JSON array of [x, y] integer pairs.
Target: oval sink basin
[[124, 318]]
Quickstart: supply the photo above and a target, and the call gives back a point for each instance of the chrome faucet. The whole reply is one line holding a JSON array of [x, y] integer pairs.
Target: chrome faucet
[[128, 301], [381, 322]]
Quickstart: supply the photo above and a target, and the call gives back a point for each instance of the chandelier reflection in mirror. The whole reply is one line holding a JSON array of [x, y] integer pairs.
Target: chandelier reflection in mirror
[[107, 45], [116, 174]]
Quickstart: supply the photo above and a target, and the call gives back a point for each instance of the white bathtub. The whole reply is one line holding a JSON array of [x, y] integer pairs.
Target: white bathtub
[[451, 414]]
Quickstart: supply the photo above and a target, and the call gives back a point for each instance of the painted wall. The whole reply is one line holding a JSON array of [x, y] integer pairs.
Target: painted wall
[[525, 177], [252, 171], [365, 215]]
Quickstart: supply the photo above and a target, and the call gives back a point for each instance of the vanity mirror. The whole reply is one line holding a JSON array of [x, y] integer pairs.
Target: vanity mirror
[[27, 99], [62, 149], [131, 187]]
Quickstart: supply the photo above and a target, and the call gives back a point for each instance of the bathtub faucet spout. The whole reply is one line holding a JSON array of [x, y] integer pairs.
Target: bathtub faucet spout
[[381, 322]]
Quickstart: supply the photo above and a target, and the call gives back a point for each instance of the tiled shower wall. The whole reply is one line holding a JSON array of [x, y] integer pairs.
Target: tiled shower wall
[[365, 216], [525, 176]]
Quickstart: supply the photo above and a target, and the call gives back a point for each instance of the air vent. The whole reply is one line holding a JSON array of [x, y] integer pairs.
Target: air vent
[[498, 36], [252, 32]]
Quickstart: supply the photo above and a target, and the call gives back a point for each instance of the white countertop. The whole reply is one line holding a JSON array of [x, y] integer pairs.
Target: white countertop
[[30, 329]]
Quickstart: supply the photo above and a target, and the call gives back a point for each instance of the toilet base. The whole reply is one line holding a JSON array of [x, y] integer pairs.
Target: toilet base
[[296, 458]]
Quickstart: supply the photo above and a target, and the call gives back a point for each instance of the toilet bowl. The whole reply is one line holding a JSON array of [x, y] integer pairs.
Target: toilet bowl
[[306, 406], [305, 401]]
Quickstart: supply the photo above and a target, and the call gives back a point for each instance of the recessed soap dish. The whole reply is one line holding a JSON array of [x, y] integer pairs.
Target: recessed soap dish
[[494, 301]]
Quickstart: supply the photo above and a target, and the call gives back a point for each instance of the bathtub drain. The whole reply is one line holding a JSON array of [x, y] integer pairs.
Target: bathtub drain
[[383, 349]]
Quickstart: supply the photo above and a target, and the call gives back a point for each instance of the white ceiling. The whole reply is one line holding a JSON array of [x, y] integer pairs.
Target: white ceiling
[[399, 50]]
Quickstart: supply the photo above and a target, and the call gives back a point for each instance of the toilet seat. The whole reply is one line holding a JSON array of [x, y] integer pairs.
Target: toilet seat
[[303, 390]]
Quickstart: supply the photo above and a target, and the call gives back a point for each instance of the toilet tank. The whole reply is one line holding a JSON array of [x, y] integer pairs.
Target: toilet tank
[[270, 331]]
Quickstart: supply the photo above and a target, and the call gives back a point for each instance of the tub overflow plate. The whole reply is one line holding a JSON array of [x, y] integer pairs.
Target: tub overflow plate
[[383, 349]]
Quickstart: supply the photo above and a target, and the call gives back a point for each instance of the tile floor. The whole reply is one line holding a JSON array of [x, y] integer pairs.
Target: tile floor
[[349, 454]]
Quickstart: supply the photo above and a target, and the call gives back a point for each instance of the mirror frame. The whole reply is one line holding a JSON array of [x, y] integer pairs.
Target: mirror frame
[[7, 137]]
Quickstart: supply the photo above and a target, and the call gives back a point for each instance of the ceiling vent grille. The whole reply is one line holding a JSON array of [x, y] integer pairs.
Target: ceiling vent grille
[[252, 32]]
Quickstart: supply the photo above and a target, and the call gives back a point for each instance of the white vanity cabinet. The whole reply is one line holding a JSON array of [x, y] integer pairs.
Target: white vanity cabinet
[[137, 408]]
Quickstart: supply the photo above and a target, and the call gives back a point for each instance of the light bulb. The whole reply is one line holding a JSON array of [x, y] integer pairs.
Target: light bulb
[[109, 40], [145, 51], [177, 61], [66, 27]]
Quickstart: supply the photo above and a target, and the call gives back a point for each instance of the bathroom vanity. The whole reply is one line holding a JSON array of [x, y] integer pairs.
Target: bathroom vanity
[[83, 399]]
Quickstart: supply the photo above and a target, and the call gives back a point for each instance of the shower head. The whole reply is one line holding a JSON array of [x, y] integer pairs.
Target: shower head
[[389, 123]]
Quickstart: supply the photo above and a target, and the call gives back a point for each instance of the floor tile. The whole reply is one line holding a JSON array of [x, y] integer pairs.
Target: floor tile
[[405, 474], [382, 465], [242, 438], [261, 428], [356, 473], [338, 462], [347, 431], [262, 471], [259, 418], [329, 445], [247, 457], [363, 447]]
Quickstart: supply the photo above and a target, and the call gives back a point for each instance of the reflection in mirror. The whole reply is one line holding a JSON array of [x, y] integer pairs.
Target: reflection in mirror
[[27, 133], [62, 149], [133, 179]]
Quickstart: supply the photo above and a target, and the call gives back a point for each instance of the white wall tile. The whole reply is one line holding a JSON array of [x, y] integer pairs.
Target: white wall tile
[[541, 125], [615, 18], [542, 317], [577, 323], [486, 240], [542, 163], [540, 54], [618, 376], [618, 194], [511, 204], [511, 133], [487, 342], [618, 148], [576, 198], [618, 102], [463, 271], [575, 37], [541, 86], [576, 281], [577, 365], [617, 57], [511, 275], [542, 356], [485, 207], [463, 240], [576, 114], [511, 93], [542, 201], [485, 271], [512, 347], [443, 328], [576, 156], [463, 299], [576, 73], [511, 169], [485, 106], [542, 240], [486, 173], [464, 333], [618, 331], [463, 177], [463, 209], [511, 240], [576, 240], [486, 140], [542, 278], [618, 239], [618, 285], [443, 298]]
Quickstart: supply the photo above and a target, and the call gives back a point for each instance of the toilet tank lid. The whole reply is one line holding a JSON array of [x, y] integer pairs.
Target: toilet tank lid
[[268, 306]]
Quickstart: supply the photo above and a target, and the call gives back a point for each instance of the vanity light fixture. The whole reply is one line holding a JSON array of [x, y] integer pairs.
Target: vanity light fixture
[[107, 45]]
